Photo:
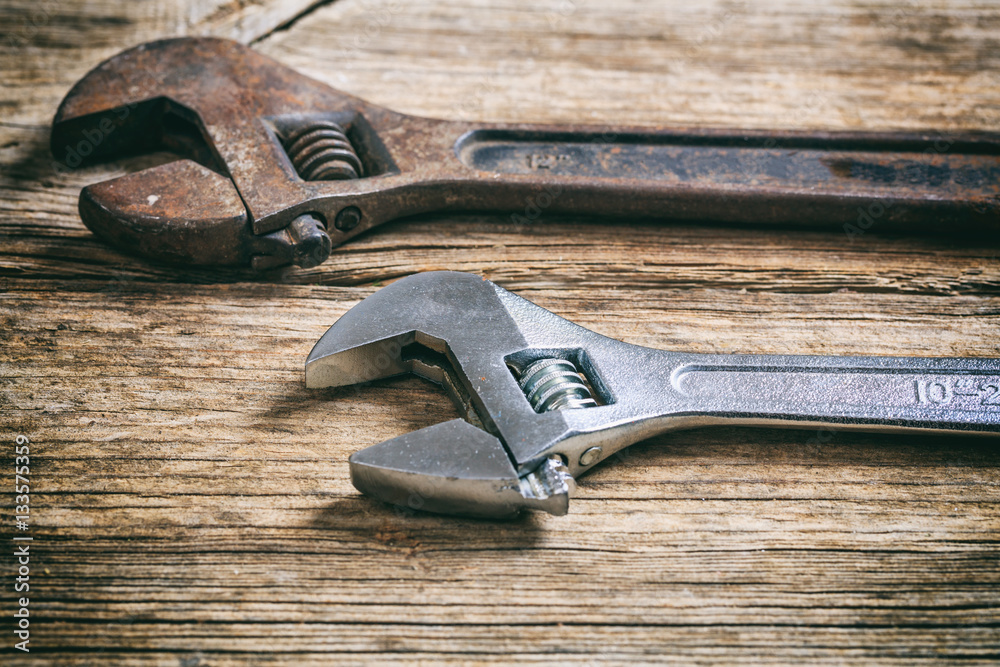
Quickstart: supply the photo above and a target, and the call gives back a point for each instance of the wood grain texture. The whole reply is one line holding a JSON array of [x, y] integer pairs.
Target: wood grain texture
[[191, 499]]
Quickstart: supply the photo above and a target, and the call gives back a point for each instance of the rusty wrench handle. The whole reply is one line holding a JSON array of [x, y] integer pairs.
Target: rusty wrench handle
[[897, 181]]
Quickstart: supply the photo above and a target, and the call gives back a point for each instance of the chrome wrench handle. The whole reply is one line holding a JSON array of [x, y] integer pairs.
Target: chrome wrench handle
[[884, 392], [649, 392]]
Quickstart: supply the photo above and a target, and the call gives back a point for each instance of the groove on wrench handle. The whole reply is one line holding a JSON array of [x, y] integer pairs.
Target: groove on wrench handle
[[891, 392], [753, 176], [939, 167]]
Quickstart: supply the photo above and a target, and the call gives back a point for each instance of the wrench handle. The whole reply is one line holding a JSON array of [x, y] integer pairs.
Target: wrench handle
[[892, 180], [875, 393]]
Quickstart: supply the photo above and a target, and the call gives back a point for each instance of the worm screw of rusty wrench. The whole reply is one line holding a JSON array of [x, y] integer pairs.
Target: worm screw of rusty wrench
[[544, 400]]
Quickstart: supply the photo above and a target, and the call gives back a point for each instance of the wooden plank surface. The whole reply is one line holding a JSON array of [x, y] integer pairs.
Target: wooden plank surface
[[191, 503]]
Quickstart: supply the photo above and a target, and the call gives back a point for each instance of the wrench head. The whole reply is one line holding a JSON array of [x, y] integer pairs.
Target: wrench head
[[471, 336], [225, 110]]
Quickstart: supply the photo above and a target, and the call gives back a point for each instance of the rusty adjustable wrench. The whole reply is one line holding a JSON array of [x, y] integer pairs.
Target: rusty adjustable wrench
[[278, 167]]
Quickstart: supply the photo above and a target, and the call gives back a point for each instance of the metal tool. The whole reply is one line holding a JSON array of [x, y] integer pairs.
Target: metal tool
[[279, 168], [544, 399]]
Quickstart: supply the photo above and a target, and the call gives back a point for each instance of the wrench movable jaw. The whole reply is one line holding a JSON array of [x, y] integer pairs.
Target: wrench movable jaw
[[139, 211], [457, 468]]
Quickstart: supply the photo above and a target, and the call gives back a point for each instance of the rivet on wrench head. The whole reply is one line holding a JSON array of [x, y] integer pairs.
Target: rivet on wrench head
[[516, 449], [591, 456], [348, 219]]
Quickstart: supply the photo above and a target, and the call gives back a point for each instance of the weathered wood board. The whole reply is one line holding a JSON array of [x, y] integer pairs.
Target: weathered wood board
[[190, 499]]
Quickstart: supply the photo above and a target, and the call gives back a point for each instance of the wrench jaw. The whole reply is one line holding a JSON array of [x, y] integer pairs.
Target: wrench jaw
[[376, 338], [138, 212], [480, 341], [331, 365], [458, 469], [155, 213], [579, 405]]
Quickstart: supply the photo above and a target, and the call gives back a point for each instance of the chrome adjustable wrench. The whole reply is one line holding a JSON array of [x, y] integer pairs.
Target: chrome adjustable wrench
[[278, 168], [544, 399]]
